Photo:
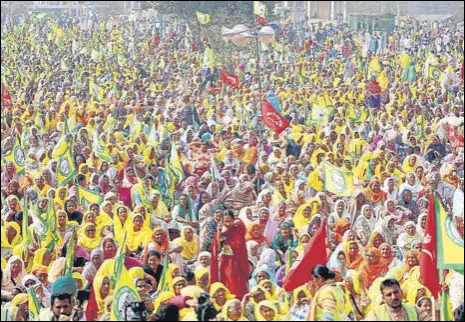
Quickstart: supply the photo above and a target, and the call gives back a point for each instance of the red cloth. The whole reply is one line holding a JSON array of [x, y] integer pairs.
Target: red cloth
[[92, 306], [261, 20], [313, 255], [229, 79], [272, 118], [429, 275], [156, 41], [232, 271], [6, 98]]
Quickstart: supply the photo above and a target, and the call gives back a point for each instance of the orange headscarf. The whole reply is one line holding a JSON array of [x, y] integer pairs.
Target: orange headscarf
[[261, 239], [165, 244], [339, 231], [372, 240], [386, 260], [352, 263], [369, 273], [407, 266], [375, 197]]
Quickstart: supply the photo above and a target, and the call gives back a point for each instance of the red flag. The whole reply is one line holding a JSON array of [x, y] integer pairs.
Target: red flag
[[272, 118], [232, 80], [92, 306], [429, 275], [261, 20], [314, 254], [6, 98]]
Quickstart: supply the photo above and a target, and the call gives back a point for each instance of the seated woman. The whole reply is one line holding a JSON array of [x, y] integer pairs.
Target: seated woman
[[189, 243], [89, 240], [409, 236]]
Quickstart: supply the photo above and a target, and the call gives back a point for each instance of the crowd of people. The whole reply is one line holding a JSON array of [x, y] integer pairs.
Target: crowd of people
[[114, 137]]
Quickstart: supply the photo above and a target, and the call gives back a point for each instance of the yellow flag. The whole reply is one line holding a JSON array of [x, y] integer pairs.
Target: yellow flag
[[203, 18], [66, 169], [338, 181], [449, 242], [374, 66], [259, 9], [404, 60], [17, 156], [125, 292]]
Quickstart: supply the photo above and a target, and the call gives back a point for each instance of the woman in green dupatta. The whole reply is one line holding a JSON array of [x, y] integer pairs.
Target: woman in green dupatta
[[183, 214]]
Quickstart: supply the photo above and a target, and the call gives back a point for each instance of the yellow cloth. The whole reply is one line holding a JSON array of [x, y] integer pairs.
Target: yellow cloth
[[329, 298], [270, 305], [215, 288], [86, 242], [16, 240], [190, 249], [39, 256], [224, 312]]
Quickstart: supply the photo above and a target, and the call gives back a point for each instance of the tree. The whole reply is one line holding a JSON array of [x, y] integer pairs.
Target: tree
[[222, 13]]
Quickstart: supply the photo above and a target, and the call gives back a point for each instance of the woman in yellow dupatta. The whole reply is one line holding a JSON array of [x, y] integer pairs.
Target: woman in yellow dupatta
[[89, 240], [138, 233], [189, 242], [42, 256], [266, 311], [11, 235], [102, 290], [202, 278], [84, 170], [220, 294], [121, 222], [61, 197], [303, 216], [232, 311], [272, 289], [410, 164]]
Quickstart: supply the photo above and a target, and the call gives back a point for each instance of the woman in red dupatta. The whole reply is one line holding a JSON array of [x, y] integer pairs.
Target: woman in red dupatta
[[372, 267], [229, 262], [256, 234]]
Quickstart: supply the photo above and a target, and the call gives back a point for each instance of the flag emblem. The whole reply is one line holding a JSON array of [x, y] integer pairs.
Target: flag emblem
[[19, 156], [339, 182], [123, 298], [64, 167]]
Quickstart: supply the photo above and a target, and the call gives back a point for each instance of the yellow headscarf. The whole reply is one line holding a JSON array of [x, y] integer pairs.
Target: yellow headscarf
[[78, 276], [16, 240], [224, 314], [86, 242], [136, 272], [299, 219], [190, 248], [269, 305], [87, 175], [199, 272], [276, 292], [58, 201], [413, 292], [139, 238], [39, 256], [303, 288], [215, 288], [406, 167], [98, 283]]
